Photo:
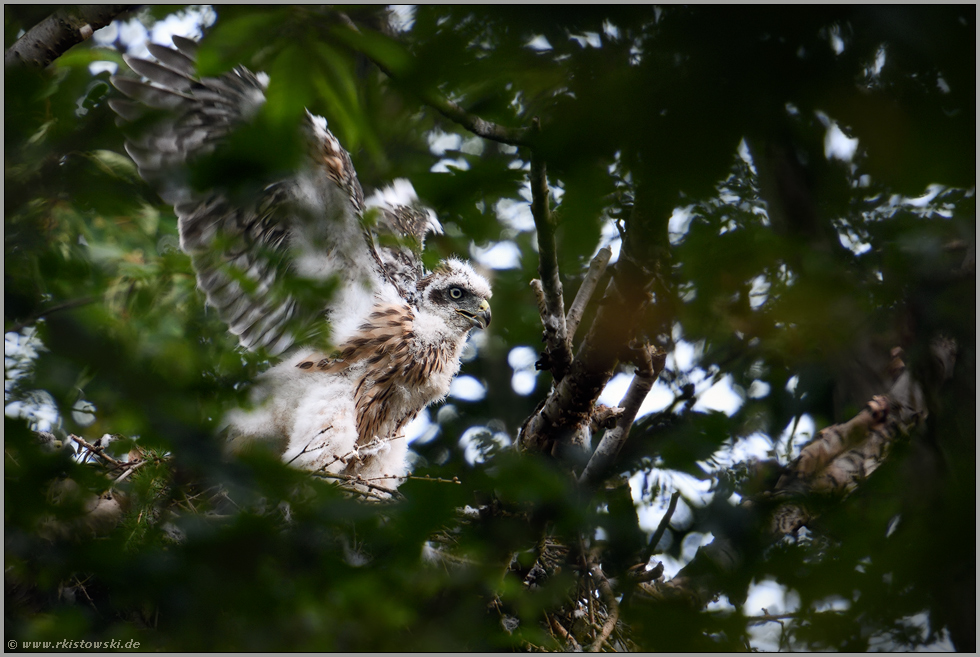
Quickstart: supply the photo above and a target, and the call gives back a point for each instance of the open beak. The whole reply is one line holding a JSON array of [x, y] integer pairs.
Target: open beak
[[481, 319]]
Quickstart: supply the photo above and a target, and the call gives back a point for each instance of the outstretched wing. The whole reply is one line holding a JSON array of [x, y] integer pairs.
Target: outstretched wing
[[247, 253], [400, 234]]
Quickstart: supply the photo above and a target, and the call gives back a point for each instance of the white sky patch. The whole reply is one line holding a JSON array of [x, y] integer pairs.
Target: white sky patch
[[610, 237], [790, 442], [685, 354], [418, 430], [476, 440], [473, 145], [399, 192], [134, 36], [98, 67], [445, 164], [746, 154], [836, 145], [440, 142], [836, 42], [692, 542], [850, 241], [659, 397], [720, 397], [932, 191], [880, 57], [755, 446], [38, 408], [402, 17], [19, 352], [610, 30], [189, 22], [522, 358], [758, 389], [83, 413], [500, 255], [759, 292], [679, 223], [774, 597], [539, 43], [524, 382], [832, 603], [515, 214], [693, 491], [587, 39], [467, 388]]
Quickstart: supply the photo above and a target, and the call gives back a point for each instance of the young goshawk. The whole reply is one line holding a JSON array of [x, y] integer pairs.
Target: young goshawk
[[398, 329]]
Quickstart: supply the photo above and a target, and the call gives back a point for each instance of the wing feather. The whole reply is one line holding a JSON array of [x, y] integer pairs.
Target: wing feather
[[246, 254]]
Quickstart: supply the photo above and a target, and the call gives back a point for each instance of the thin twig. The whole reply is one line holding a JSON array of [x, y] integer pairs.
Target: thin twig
[[454, 480], [67, 305], [100, 451], [131, 467], [596, 269], [662, 527], [770, 618], [353, 481]]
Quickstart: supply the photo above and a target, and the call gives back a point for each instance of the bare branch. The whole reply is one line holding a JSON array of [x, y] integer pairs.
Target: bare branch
[[614, 439], [836, 461], [596, 269], [638, 576], [99, 451], [553, 317], [612, 606], [67, 305], [665, 521], [53, 36], [473, 123], [556, 626], [571, 402]]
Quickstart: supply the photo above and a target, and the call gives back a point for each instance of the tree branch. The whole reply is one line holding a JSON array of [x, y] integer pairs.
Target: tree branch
[[53, 36], [836, 461], [665, 521], [472, 122], [571, 401], [98, 451], [596, 269], [553, 315], [67, 305], [613, 439], [612, 607]]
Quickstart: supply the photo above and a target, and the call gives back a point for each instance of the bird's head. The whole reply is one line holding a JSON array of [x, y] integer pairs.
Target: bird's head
[[457, 294]]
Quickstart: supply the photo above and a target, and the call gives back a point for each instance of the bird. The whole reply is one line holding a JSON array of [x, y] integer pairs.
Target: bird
[[397, 329]]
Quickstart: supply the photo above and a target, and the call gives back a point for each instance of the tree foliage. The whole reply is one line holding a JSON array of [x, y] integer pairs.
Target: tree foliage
[[752, 252]]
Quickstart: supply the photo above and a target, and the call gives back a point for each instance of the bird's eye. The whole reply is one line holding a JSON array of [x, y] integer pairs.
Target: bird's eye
[[455, 293]]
